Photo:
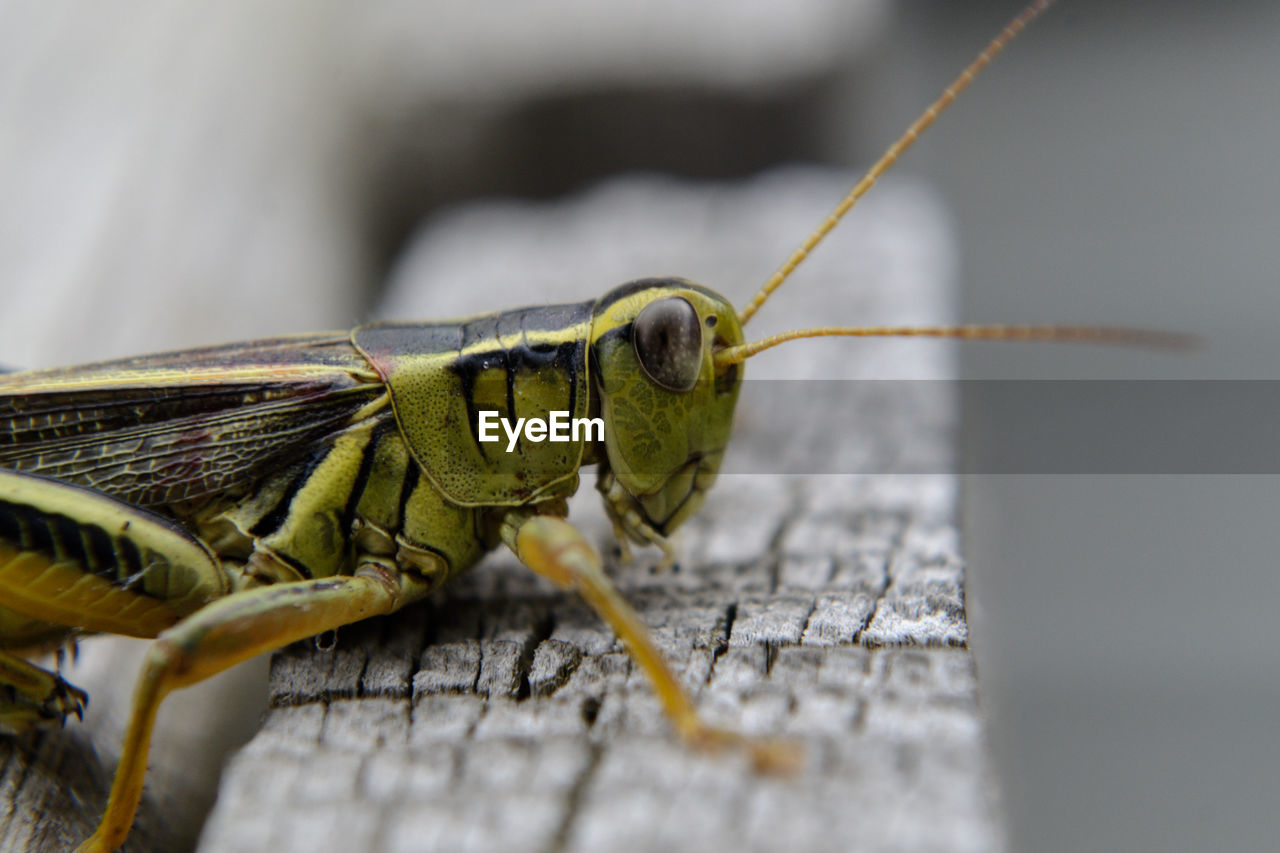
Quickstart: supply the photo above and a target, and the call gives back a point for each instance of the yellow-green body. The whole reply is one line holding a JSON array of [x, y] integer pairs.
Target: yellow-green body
[[232, 499], [314, 453]]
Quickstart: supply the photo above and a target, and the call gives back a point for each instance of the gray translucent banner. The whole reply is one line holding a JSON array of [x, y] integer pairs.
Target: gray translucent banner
[[1009, 427]]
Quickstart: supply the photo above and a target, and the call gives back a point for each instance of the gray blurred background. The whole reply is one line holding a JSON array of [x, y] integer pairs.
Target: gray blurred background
[[177, 174], [1123, 170]]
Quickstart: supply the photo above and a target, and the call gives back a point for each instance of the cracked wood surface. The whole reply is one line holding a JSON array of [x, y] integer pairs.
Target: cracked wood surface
[[53, 789], [819, 595], [504, 716]]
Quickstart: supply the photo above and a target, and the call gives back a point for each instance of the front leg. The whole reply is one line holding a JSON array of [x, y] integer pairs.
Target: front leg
[[223, 634], [555, 549]]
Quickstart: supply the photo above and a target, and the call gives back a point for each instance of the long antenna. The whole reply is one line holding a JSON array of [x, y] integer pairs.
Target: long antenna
[[1062, 334], [890, 156]]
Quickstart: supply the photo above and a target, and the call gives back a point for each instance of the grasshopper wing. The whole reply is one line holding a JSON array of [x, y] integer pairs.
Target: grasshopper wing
[[164, 429]]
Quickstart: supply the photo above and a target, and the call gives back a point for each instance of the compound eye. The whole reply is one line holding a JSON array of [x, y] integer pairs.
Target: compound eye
[[667, 336]]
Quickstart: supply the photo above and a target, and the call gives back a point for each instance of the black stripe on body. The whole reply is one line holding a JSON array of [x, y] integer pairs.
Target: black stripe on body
[[565, 356], [435, 390], [309, 525], [348, 514], [293, 563], [271, 522], [444, 558], [623, 332], [510, 376], [67, 533], [101, 550], [411, 475], [544, 348], [131, 566], [468, 368], [62, 538], [39, 536], [10, 529], [573, 380]]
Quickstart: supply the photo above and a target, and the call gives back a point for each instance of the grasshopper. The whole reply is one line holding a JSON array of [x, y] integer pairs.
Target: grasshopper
[[230, 500]]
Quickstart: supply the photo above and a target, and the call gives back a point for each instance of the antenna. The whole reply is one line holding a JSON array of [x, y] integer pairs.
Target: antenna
[[1061, 334], [894, 151]]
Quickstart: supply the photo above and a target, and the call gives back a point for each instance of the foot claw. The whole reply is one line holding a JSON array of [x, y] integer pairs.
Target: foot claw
[[772, 756], [65, 699], [28, 710], [62, 701], [776, 757]]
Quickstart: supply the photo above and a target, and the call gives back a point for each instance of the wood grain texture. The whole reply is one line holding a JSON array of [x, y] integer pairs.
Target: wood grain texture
[[51, 787], [818, 597]]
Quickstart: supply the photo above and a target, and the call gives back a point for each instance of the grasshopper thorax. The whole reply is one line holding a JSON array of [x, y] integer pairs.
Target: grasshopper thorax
[[666, 404]]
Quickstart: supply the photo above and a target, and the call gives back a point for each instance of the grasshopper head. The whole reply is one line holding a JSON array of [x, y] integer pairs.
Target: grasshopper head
[[667, 406]]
